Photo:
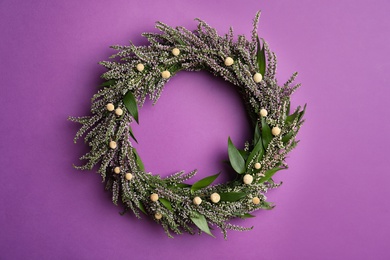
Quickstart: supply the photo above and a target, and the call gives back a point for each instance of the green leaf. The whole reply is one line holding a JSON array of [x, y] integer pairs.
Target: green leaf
[[132, 134], [166, 203], [183, 185], [266, 133], [244, 154], [108, 83], [261, 57], [287, 137], [142, 207], [258, 149], [232, 196], [139, 161], [257, 135], [236, 160], [267, 205], [204, 182], [201, 222], [131, 105], [300, 115], [246, 215], [268, 174]]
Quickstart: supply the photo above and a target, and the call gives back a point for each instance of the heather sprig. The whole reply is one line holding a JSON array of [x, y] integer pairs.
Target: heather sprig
[[135, 73]]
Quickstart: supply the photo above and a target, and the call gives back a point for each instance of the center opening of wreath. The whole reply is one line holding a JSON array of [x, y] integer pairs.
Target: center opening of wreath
[[188, 128]]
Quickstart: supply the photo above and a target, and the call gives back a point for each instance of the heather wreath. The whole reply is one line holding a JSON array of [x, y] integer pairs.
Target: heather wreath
[[135, 73]]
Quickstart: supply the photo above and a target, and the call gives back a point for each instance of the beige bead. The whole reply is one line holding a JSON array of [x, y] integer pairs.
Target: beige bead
[[263, 112], [117, 170], [257, 77], [110, 107], [154, 197], [229, 61], [197, 200], [129, 176], [119, 111], [165, 74], [140, 67], [256, 200], [176, 51], [248, 179], [257, 166], [215, 197], [276, 131], [112, 144], [157, 216]]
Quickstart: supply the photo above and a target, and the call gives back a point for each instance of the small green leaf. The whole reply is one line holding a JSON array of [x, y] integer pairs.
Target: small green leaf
[[131, 105], [166, 203], [201, 222], [268, 174], [261, 57], [183, 185], [108, 83], [244, 154], [258, 149], [267, 205], [139, 161], [142, 207], [132, 134], [232, 196], [266, 133], [203, 182], [300, 115], [247, 215], [257, 135], [288, 107], [236, 160], [287, 137]]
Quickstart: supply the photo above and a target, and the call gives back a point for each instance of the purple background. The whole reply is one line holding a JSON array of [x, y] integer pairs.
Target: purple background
[[334, 200]]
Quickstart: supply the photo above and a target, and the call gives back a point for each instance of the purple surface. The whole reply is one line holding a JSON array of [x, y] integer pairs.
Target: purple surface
[[334, 200]]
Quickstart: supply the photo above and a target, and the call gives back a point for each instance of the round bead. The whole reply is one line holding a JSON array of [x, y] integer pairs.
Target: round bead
[[197, 200], [176, 51], [165, 74], [128, 176], [215, 197], [157, 216], [229, 61], [154, 197], [263, 112], [110, 107], [248, 179], [256, 200], [276, 131], [257, 77], [140, 67], [119, 111], [112, 144], [117, 170], [257, 166]]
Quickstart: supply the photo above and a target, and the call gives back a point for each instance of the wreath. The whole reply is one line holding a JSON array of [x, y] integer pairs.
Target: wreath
[[137, 72]]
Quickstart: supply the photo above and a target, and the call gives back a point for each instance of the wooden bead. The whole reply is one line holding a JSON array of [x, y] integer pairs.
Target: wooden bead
[[165, 74], [154, 197], [257, 77], [117, 170], [263, 112], [257, 166], [215, 197], [248, 179], [112, 144], [229, 61], [129, 176], [119, 111], [256, 200], [157, 216], [197, 200], [175, 51], [140, 67], [110, 107], [276, 131]]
